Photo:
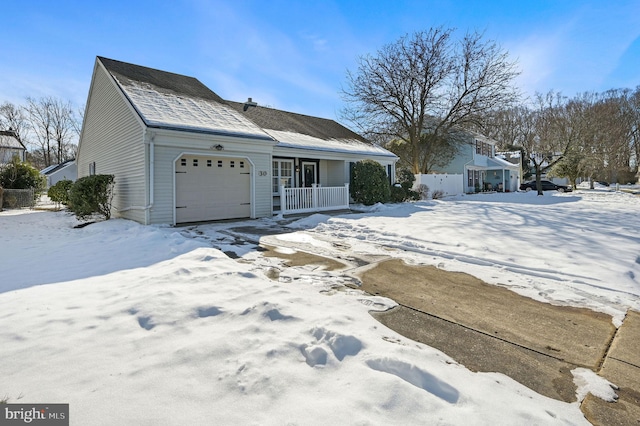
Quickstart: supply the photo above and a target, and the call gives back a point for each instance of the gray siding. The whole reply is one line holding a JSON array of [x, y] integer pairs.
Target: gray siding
[[169, 146], [113, 138], [335, 173]]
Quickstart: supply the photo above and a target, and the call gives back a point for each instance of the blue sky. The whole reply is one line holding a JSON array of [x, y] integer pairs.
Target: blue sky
[[293, 55]]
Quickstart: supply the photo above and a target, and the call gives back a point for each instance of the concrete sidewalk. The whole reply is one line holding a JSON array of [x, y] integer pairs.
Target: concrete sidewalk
[[622, 367], [490, 328]]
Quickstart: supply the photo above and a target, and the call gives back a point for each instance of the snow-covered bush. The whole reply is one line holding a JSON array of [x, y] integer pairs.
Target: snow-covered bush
[[423, 191]]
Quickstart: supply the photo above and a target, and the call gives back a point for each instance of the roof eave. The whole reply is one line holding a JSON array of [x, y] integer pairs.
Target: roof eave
[[211, 132]]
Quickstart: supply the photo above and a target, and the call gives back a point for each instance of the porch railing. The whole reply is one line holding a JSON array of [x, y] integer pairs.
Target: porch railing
[[313, 199]]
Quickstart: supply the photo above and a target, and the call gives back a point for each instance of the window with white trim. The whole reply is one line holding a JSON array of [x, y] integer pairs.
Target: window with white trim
[[282, 174]]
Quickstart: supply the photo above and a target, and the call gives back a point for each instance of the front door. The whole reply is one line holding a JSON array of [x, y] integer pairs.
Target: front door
[[308, 174]]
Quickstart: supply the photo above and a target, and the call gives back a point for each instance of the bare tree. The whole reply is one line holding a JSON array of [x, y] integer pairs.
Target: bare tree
[[12, 117], [543, 132], [53, 125], [62, 127], [614, 134], [630, 105], [580, 127], [634, 101], [78, 119], [39, 116], [423, 89], [603, 148]]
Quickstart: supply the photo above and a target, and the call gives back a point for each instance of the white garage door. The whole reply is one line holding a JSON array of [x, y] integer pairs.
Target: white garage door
[[212, 188]]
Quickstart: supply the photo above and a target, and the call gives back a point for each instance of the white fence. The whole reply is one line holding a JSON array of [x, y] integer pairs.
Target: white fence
[[449, 184], [314, 199]]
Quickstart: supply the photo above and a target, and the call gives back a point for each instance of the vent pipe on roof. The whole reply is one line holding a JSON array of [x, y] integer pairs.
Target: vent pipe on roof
[[249, 103]]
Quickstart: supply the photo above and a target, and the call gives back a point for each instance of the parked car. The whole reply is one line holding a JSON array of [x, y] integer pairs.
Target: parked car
[[546, 186], [603, 183]]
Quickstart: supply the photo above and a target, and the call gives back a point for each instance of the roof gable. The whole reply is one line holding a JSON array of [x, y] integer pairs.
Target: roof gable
[[177, 102], [8, 140]]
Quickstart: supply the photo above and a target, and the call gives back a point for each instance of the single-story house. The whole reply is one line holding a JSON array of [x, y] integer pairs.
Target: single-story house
[[180, 153], [56, 172], [11, 146], [480, 168]]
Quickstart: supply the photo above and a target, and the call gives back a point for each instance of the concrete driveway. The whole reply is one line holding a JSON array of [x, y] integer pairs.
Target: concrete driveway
[[487, 327], [490, 328]]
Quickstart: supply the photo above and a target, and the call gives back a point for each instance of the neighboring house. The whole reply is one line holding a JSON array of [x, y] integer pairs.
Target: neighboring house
[[10, 147], [181, 154], [481, 170], [57, 172]]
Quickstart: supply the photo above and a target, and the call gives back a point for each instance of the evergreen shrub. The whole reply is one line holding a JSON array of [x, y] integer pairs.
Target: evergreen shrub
[[92, 194], [59, 193], [370, 184], [21, 175], [402, 190]]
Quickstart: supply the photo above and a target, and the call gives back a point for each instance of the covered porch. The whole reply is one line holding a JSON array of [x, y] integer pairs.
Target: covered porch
[[302, 185], [313, 199], [501, 175], [498, 175]]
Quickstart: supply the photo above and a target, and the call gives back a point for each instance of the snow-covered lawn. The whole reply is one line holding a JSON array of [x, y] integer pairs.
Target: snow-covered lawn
[[153, 325]]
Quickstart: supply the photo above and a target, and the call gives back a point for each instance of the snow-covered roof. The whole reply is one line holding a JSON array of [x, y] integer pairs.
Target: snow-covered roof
[[293, 130], [352, 146], [172, 101], [9, 141], [56, 167], [48, 169], [499, 163]]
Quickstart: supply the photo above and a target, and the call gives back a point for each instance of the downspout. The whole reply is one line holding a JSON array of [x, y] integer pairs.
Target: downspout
[[152, 163], [146, 208]]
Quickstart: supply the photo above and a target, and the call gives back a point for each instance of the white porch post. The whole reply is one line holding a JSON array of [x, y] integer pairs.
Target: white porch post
[[314, 195], [346, 190], [283, 200]]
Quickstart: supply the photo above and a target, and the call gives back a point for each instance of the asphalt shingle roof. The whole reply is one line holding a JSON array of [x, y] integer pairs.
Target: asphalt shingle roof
[[174, 101], [177, 102]]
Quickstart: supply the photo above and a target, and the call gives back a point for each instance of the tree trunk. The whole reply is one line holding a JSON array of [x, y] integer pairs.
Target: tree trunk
[[538, 180]]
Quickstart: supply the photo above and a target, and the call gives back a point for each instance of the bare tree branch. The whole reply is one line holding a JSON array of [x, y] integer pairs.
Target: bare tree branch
[[421, 90]]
